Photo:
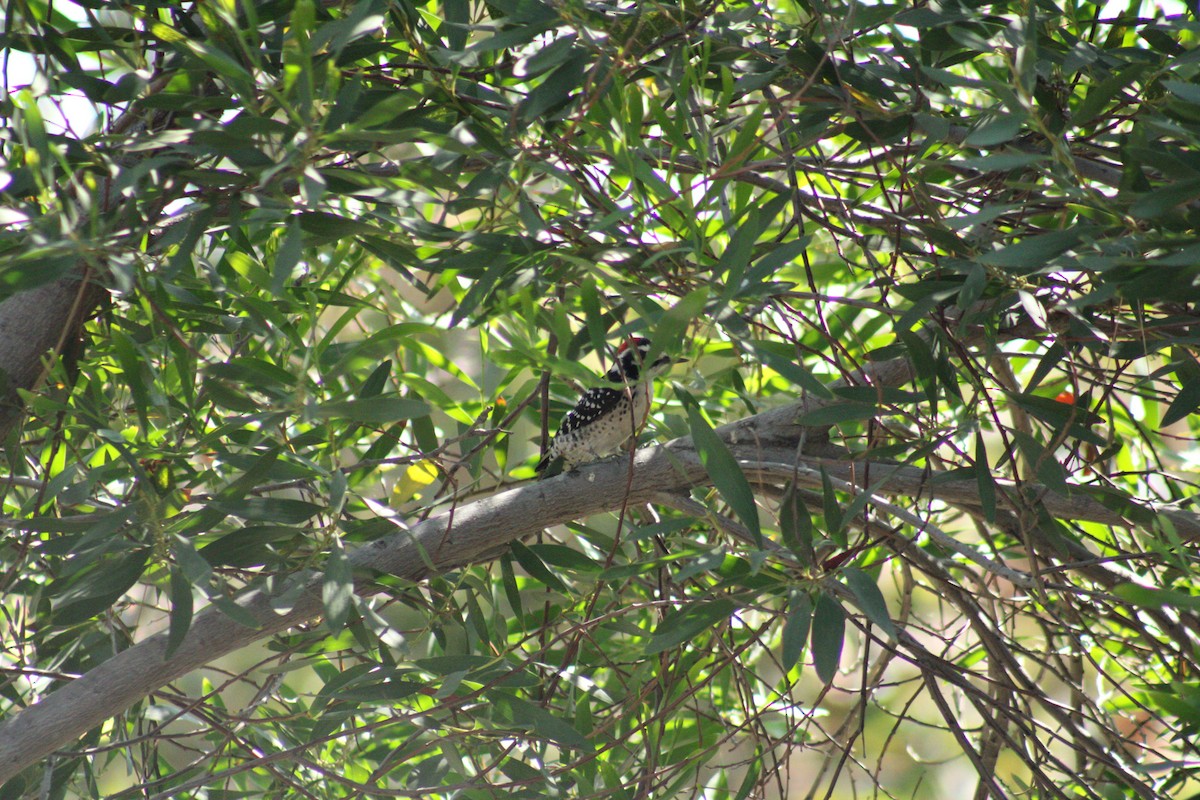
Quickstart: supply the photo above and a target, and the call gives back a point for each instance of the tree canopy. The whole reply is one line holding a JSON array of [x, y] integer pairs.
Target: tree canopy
[[292, 294]]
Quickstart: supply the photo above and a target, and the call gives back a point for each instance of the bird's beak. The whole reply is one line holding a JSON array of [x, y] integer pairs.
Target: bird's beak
[[664, 363]]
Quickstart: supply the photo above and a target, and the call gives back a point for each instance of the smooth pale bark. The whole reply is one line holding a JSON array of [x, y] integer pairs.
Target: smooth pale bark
[[467, 534], [479, 530]]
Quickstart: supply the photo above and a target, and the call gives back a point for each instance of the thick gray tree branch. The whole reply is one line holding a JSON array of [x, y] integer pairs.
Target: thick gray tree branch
[[766, 444]]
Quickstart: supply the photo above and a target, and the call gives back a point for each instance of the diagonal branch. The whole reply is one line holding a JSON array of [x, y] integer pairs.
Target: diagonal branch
[[476, 532]]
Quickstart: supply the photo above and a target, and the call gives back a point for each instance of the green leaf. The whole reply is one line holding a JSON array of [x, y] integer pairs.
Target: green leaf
[[1033, 253], [372, 410], [244, 547], [795, 630], [781, 255], [337, 590], [1075, 420], [287, 257], [795, 526], [688, 623], [750, 781], [195, 569], [678, 318], [1100, 95], [133, 369], [216, 59], [481, 289], [835, 412], [361, 22], [555, 92], [1165, 199], [735, 261], [1148, 597], [1189, 92], [835, 520], [828, 634], [181, 610], [255, 373], [784, 359], [448, 665], [995, 130], [997, 162], [722, 468], [458, 18], [924, 366], [736, 258], [1051, 359], [1045, 463], [870, 600], [100, 587], [748, 137], [1184, 404], [1182, 700], [334, 227], [532, 564], [284, 511], [542, 723], [381, 693], [565, 557], [511, 591], [985, 480]]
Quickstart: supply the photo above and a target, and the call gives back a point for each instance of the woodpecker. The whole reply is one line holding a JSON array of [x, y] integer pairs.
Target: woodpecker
[[605, 418]]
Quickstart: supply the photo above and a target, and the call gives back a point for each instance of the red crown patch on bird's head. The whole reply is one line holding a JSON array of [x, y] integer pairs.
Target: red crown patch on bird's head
[[630, 362], [630, 355], [637, 342]]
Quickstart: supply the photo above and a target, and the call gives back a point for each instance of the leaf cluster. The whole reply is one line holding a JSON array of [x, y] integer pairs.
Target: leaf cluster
[[359, 257]]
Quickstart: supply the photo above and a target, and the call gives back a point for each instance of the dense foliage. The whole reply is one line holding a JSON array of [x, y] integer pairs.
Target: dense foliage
[[359, 257]]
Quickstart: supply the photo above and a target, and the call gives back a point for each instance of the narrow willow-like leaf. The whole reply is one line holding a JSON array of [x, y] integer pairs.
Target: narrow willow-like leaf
[[541, 722], [1184, 404], [373, 410], [984, 480], [828, 635], [870, 599], [181, 610], [536, 568], [688, 623], [100, 588], [795, 526], [337, 590], [721, 466], [796, 629]]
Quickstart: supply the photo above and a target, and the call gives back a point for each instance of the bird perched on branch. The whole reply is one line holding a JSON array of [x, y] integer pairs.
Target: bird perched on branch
[[605, 418]]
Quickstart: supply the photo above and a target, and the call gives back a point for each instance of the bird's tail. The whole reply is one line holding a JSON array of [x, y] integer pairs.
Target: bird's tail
[[549, 466]]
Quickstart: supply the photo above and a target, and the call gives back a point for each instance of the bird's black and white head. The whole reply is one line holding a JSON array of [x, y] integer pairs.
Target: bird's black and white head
[[631, 366]]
